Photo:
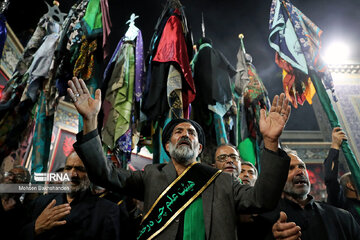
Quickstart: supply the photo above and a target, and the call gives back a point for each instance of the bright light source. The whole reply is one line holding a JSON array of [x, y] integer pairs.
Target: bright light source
[[337, 53]]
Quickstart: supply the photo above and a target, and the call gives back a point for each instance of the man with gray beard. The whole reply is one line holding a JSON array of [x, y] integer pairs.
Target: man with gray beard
[[79, 181], [184, 199], [301, 216], [184, 151], [74, 215]]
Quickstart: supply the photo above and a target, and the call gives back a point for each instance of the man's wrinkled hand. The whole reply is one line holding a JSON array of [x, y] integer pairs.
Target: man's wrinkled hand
[[338, 136], [51, 217], [286, 230]]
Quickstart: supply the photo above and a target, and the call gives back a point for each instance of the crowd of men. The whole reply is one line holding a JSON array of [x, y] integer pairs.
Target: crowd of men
[[185, 199]]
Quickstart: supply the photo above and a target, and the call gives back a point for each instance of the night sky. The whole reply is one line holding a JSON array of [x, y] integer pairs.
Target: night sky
[[224, 20]]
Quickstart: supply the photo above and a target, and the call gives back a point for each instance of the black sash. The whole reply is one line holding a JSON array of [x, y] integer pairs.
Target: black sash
[[176, 198]]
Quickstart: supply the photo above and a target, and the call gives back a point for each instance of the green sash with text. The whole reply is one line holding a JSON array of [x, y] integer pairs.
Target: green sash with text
[[176, 198]]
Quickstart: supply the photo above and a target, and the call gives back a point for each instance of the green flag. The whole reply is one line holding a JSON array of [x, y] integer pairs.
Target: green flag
[[334, 122]]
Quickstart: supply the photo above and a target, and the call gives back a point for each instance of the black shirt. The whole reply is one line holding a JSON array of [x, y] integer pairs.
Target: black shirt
[[90, 217], [307, 218]]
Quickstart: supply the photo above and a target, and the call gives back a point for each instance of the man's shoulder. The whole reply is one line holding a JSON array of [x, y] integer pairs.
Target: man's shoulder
[[103, 202], [340, 218], [98, 205], [327, 208], [155, 167]]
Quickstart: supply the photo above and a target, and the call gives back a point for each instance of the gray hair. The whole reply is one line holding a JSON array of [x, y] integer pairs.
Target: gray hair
[[344, 179], [251, 165], [290, 151]]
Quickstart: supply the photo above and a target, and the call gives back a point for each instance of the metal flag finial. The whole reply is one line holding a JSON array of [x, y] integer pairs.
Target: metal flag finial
[[131, 21], [55, 14], [132, 31], [241, 36]]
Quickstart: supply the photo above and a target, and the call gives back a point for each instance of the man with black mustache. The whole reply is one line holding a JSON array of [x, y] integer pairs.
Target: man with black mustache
[[248, 173], [184, 199], [74, 215], [301, 216], [227, 159]]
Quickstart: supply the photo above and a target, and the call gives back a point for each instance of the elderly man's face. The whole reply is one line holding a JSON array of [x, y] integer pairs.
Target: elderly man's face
[[184, 143], [297, 184], [228, 160], [75, 168]]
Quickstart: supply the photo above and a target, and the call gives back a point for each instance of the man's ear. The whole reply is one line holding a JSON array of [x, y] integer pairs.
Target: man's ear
[[200, 148], [167, 147]]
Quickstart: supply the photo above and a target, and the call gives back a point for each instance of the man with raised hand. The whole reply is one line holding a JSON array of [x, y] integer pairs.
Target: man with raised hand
[[303, 217], [184, 199], [343, 193]]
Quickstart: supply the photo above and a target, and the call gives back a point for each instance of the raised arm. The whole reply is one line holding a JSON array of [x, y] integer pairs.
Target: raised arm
[[89, 146], [87, 106], [335, 193], [272, 125], [274, 162]]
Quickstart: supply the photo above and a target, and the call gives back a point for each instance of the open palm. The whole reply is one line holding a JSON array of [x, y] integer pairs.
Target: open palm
[[87, 106], [272, 125]]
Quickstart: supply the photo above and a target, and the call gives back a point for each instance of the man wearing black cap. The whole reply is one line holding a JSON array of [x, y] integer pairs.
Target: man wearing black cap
[[184, 199]]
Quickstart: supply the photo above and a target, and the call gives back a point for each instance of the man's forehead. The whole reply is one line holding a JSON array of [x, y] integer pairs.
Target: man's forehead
[[74, 160], [225, 149], [75, 164], [295, 160], [247, 167], [184, 125]]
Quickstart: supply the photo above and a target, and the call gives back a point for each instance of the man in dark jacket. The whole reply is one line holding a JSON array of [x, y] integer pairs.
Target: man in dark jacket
[[344, 194], [75, 215], [302, 217], [227, 159]]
